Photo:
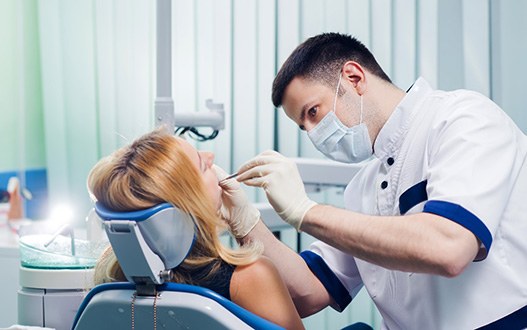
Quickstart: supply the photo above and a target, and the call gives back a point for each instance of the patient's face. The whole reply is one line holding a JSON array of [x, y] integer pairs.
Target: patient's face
[[203, 161]]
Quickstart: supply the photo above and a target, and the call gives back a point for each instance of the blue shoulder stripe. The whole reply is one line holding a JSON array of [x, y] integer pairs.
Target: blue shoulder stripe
[[412, 196], [330, 281], [464, 217]]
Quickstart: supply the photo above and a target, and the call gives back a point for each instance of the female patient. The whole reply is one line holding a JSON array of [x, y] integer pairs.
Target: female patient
[[159, 168]]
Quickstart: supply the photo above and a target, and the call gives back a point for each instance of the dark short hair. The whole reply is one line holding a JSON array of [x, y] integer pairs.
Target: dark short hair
[[320, 58]]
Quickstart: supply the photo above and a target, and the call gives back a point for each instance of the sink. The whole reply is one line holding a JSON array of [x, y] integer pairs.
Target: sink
[[47, 251]]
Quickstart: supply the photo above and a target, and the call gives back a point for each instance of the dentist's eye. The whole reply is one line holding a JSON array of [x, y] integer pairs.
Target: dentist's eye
[[312, 112]]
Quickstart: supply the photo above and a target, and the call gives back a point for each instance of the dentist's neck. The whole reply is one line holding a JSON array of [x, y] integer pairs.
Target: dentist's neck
[[380, 101]]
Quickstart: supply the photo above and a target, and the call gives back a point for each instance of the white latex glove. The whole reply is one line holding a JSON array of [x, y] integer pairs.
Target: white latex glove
[[236, 209], [279, 177]]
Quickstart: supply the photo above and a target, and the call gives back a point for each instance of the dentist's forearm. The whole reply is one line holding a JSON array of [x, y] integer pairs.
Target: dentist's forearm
[[423, 242]]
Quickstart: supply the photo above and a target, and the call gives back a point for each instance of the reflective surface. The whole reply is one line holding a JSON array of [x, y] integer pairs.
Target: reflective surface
[[35, 252]]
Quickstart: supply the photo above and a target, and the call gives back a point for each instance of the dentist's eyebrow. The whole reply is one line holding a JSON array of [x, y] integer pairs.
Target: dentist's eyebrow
[[303, 112]]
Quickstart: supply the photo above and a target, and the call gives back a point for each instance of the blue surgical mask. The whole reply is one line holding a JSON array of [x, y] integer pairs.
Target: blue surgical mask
[[339, 142]]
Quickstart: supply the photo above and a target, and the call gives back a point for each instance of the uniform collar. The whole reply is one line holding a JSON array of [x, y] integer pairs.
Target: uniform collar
[[394, 130]]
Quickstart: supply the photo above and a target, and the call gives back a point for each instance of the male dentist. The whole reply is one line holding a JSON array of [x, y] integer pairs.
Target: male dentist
[[435, 221]]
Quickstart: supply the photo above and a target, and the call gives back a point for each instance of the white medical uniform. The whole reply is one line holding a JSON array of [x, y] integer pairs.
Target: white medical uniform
[[458, 155]]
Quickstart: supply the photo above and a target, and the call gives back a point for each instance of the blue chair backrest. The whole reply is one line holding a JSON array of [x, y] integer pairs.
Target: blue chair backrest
[[178, 306]]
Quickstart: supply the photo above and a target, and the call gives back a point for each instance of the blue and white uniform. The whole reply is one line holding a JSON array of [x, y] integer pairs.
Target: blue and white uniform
[[458, 155]]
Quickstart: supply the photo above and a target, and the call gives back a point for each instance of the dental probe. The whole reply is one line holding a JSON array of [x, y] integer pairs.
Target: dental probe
[[229, 177]]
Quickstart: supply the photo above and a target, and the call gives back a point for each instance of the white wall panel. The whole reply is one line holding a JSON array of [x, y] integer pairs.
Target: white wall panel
[[509, 51], [427, 41], [336, 18], [450, 45], [476, 45], [403, 59], [266, 65], [184, 79], [50, 19], [69, 99], [204, 25], [244, 93], [359, 20], [24, 118], [222, 78], [79, 99], [109, 138], [381, 33], [133, 65], [313, 19], [288, 37], [204, 71], [266, 50], [21, 127]]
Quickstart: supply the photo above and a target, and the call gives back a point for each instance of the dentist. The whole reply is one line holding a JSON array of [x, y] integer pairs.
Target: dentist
[[435, 221]]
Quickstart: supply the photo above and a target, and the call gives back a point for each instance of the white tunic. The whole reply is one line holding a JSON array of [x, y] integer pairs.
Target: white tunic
[[458, 155]]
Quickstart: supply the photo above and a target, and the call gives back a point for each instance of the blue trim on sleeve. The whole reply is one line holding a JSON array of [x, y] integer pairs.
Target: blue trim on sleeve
[[413, 196], [330, 281], [463, 217], [514, 321]]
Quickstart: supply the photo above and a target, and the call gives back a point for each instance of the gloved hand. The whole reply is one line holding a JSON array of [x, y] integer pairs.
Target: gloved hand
[[236, 209], [279, 177]]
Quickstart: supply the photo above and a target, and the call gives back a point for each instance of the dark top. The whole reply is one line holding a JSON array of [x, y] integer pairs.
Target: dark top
[[219, 281]]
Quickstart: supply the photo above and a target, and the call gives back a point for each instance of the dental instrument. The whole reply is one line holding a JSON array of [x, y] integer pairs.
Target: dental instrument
[[228, 177]]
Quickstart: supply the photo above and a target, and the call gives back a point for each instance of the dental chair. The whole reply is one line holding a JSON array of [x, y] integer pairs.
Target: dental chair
[[148, 244]]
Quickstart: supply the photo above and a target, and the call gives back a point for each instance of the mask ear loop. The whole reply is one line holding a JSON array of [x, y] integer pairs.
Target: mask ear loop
[[336, 95], [360, 120]]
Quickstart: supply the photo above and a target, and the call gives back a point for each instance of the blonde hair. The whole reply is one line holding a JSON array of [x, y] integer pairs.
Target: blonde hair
[[152, 170]]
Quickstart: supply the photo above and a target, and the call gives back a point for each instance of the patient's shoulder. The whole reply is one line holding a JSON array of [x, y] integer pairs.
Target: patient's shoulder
[[259, 288], [257, 275], [262, 264]]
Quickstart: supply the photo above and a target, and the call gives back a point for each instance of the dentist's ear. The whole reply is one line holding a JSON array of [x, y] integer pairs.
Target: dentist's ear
[[355, 74]]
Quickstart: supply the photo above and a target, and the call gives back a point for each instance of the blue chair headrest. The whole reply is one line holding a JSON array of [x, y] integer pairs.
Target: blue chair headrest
[[147, 242], [138, 215]]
